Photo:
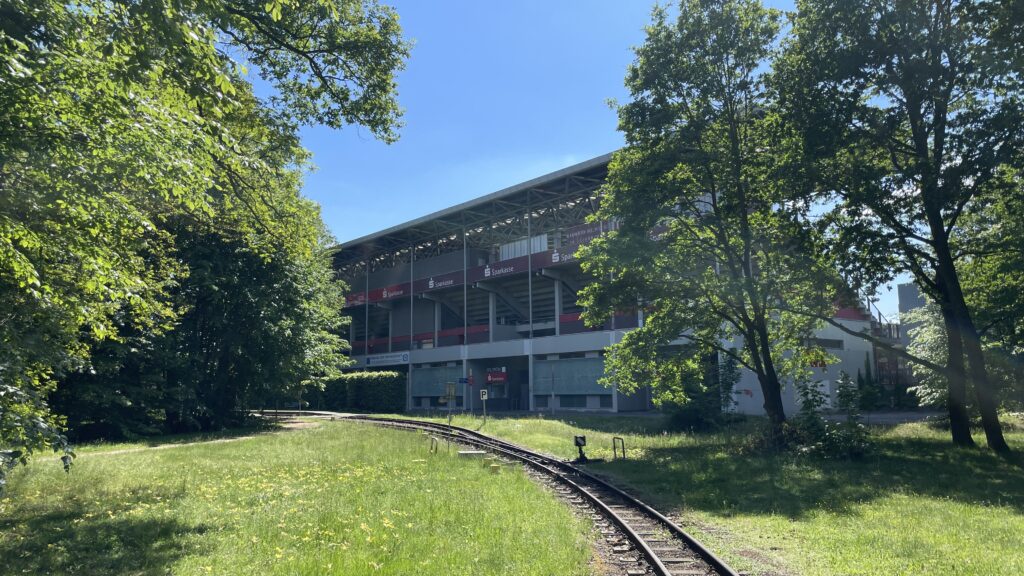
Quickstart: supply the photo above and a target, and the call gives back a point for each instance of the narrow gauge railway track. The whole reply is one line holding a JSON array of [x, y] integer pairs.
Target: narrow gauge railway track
[[643, 540]]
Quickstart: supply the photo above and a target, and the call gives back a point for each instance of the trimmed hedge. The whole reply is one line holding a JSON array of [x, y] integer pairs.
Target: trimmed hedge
[[382, 391]]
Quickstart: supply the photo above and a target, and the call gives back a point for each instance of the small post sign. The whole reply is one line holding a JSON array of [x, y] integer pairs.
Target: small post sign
[[483, 400], [450, 389]]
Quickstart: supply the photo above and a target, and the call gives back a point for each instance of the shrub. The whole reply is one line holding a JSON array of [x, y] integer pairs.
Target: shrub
[[382, 391], [810, 434]]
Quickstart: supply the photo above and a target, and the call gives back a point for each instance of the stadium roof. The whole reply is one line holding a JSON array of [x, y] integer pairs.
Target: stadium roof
[[481, 214]]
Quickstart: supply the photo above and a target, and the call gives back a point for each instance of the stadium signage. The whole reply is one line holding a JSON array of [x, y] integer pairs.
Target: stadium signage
[[498, 269], [580, 235], [378, 295], [574, 238], [497, 375], [386, 359], [388, 292], [438, 282]]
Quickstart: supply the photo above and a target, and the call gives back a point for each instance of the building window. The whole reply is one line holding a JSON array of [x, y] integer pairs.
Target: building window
[[606, 400], [540, 401], [519, 247], [572, 401], [828, 343]]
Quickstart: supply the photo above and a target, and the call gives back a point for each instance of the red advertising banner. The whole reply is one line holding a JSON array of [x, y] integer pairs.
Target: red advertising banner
[[574, 238], [437, 282], [579, 235], [497, 375], [395, 291], [389, 292], [498, 269], [556, 257]]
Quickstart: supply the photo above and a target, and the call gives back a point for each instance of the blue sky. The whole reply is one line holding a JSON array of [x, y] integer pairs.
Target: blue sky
[[495, 93]]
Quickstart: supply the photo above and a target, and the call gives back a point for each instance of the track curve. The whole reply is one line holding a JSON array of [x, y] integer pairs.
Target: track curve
[[663, 547]]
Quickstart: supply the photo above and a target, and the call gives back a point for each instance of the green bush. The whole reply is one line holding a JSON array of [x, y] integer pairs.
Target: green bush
[[809, 433], [382, 391]]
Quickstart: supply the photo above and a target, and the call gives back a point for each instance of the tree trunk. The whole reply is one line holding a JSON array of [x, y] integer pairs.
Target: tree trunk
[[956, 384], [772, 391], [988, 405], [771, 388], [962, 326]]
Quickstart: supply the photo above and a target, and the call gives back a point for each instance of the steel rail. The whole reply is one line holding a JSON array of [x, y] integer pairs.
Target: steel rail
[[707, 555], [546, 464], [528, 458]]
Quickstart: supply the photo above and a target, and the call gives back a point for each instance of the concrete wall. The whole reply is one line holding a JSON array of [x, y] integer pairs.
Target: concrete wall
[[851, 358]]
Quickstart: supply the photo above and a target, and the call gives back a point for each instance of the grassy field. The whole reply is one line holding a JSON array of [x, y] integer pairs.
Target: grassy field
[[340, 499], [917, 505]]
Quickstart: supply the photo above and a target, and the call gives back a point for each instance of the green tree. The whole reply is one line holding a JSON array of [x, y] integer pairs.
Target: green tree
[[990, 244], [703, 245], [991, 247], [910, 113], [116, 114], [928, 340]]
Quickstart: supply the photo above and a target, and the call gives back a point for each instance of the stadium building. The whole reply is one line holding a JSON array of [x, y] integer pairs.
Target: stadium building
[[482, 295]]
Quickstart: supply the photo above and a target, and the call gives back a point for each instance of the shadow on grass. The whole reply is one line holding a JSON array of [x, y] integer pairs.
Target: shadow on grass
[[713, 476], [638, 423], [186, 438], [69, 540], [207, 436]]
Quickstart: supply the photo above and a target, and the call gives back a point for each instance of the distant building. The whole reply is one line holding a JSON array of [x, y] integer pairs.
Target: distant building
[[893, 370], [484, 295], [852, 352], [910, 298]]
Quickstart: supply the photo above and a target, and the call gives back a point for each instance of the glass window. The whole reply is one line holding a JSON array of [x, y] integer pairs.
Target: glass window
[[829, 343], [572, 401]]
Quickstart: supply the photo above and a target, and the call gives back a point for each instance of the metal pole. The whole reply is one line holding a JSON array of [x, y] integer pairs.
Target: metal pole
[[551, 372], [465, 311], [366, 308], [529, 288], [412, 321], [529, 257]]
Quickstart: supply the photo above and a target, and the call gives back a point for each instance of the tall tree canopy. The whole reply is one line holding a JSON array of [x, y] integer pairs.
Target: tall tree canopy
[[115, 115], [911, 111], [703, 246]]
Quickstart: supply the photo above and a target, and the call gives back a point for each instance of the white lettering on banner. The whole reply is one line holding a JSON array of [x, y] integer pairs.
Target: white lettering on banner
[[488, 272]]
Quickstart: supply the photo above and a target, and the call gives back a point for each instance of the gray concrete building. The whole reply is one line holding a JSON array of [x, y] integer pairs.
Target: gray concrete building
[[483, 295]]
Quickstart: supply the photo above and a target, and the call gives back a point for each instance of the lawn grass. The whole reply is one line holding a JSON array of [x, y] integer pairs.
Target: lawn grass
[[169, 440], [341, 498], [916, 505]]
